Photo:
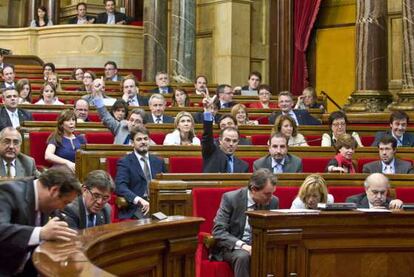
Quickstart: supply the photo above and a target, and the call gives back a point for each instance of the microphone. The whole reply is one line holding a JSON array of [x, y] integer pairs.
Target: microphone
[[307, 141]]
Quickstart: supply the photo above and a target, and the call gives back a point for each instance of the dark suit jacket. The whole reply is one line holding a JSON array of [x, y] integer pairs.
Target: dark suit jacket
[[303, 116], [214, 160], [76, 214], [17, 222], [165, 118], [401, 167], [229, 105], [408, 138], [362, 200], [130, 180], [231, 218], [142, 101], [3, 85], [199, 117], [292, 164], [103, 18], [5, 119], [25, 167], [74, 20], [157, 90]]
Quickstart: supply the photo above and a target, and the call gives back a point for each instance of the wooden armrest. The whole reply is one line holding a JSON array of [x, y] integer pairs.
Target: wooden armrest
[[209, 241], [121, 202]]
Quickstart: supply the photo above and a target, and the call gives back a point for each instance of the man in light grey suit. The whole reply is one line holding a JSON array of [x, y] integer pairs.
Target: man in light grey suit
[[279, 160], [388, 164], [232, 230], [91, 208], [12, 162]]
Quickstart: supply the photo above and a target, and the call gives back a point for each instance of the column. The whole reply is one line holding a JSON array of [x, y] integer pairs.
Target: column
[[53, 10], [183, 48], [155, 38], [371, 93], [405, 99]]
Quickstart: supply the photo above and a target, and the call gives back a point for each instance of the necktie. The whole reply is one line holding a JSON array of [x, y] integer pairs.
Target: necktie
[[388, 169], [230, 164], [127, 139], [147, 173], [158, 120], [91, 220], [278, 168], [399, 141], [293, 116], [15, 119], [8, 169]]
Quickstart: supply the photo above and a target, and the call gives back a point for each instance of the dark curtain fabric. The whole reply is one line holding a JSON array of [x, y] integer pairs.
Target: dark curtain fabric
[[305, 12]]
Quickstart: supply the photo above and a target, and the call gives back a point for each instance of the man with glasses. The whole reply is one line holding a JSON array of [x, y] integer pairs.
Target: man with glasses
[[163, 83], [111, 72], [91, 208], [224, 97], [12, 162], [375, 195]]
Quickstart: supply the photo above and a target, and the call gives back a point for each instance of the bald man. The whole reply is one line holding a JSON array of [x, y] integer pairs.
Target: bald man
[[375, 196]]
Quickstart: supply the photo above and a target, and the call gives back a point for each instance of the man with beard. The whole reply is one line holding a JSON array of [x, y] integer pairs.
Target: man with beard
[[134, 173]]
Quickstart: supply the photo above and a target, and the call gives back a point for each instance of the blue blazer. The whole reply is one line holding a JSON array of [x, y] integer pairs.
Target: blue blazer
[[130, 180], [408, 138]]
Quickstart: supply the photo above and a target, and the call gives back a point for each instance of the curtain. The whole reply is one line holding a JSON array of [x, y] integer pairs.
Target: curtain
[[305, 12]]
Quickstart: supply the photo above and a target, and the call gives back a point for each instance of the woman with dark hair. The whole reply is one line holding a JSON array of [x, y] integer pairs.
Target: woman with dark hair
[[337, 123], [77, 74], [48, 96], [24, 89], [264, 99], [41, 18], [180, 98], [345, 146], [287, 126], [63, 143], [88, 77], [119, 110]]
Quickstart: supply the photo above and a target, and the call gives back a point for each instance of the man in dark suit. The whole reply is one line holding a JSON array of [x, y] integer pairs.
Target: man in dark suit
[[12, 162], [110, 16], [134, 173], [232, 230], [91, 208], [81, 108], [82, 18], [111, 72], [224, 97], [157, 107], [375, 196], [227, 120], [301, 117], [255, 78], [220, 158], [398, 127], [8, 75], [279, 160], [10, 114], [163, 83], [388, 164], [131, 94], [24, 209]]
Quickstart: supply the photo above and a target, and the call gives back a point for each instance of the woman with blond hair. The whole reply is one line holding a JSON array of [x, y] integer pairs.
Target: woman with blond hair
[[239, 112], [287, 126], [184, 131], [312, 191]]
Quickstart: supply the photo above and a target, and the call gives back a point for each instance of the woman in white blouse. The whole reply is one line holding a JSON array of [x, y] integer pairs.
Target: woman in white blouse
[[184, 131], [312, 191], [337, 123], [287, 126], [48, 96]]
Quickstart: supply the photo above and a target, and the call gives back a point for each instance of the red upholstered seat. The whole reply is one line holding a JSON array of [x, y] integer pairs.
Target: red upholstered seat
[[99, 137], [341, 193], [286, 196], [250, 161], [314, 165], [405, 194], [362, 161], [38, 147], [158, 138], [111, 165], [367, 140], [260, 139], [186, 165], [94, 117], [49, 116], [313, 140]]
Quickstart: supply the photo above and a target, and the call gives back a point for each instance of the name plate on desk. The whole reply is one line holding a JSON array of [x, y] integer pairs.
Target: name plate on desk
[[337, 206]]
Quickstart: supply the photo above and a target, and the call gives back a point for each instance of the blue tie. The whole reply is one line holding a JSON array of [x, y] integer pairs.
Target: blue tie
[[127, 139], [230, 168], [91, 219]]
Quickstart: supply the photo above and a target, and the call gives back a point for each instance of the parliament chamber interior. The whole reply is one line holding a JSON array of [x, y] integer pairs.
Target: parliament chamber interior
[[207, 138]]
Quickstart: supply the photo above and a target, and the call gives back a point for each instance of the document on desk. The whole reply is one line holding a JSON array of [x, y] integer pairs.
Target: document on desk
[[374, 210], [297, 211]]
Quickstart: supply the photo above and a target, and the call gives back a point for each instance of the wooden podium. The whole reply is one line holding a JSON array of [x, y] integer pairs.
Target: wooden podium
[[332, 244]]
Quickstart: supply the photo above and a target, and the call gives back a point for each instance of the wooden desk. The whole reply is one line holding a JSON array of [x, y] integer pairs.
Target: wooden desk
[[134, 248], [332, 244]]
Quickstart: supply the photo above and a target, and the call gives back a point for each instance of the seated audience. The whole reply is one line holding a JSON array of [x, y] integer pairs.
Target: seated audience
[[10, 114], [77, 74], [337, 122], [287, 126], [398, 126], [279, 160], [82, 17], [41, 18], [98, 89], [110, 16], [224, 97], [63, 142], [156, 105], [253, 83], [375, 195], [308, 100], [130, 89], [81, 108], [264, 99], [227, 120], [87, 80], [232, 230], [200, 84], [163, 83], [239, 112], [48, 96], [8, 76], [13, 163], [111, 72], [180, 98], [91, 208], [184, 131], [48, 68], [345, 146], [24, 208], [119, 110], [301, 117], [388, 163], [312, 191], [221, 158], [134, 173], [24, 89]]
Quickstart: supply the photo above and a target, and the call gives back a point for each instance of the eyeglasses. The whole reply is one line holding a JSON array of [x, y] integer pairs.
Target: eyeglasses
[[97, 196], [339, 124]]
